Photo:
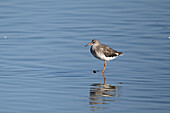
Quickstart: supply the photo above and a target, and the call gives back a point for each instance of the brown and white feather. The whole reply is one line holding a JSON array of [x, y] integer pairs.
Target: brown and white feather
[[104, 52]]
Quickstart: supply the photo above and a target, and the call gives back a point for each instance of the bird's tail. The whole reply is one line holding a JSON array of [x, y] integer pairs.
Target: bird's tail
[[120, 53]]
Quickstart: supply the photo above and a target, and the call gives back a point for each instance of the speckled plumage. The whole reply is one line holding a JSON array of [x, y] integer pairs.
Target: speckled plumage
[[103, 52]]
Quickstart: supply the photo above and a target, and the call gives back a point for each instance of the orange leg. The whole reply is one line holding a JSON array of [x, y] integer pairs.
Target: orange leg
[[104, 66], [104, 79]]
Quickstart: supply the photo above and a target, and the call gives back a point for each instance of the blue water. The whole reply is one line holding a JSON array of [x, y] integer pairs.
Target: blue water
[[44, 66]]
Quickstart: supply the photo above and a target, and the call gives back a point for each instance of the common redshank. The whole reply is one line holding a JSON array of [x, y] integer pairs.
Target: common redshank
[[103, 52]]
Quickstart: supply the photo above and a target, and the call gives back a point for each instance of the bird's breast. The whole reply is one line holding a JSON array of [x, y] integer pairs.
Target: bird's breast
[[97, 53]]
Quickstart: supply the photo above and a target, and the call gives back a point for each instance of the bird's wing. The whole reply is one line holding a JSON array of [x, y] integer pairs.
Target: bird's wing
[[109, 52]]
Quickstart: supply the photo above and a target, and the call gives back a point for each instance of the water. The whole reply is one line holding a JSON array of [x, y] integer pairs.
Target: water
[[44, 66]]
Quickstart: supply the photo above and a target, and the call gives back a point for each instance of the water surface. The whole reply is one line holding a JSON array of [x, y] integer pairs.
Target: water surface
[[44, 66]]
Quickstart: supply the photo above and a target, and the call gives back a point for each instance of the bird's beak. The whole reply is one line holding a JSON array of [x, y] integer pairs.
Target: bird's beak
[[88, 45]]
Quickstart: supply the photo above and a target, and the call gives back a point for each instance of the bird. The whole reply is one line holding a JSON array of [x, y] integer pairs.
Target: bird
[[103, 52]]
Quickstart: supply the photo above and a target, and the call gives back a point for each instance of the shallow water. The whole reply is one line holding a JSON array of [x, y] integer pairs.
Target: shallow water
[[44, 66]]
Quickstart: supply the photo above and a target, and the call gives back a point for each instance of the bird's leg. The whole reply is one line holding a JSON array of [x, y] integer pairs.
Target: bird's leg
[[104, 79], [104, 67]]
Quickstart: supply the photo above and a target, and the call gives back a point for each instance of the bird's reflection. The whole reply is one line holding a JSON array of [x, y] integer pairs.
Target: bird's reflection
[[103, 94]]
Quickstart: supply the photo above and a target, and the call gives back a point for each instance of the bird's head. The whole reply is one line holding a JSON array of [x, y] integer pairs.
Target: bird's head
[[93, 42]]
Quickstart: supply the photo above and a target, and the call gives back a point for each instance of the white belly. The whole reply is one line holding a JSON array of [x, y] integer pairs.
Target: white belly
[[103, 57]]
